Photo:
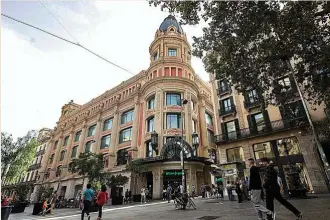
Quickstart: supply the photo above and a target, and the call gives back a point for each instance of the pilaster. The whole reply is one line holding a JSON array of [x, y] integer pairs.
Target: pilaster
[[202, 151], [135, 124], [97, 137], [82, 138]]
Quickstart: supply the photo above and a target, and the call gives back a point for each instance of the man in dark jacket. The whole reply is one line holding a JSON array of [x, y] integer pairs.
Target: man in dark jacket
[[273, 190], [255, 187]]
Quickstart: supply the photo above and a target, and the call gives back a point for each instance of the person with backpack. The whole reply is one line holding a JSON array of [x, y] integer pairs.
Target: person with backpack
[[87, 198], [102, 198]]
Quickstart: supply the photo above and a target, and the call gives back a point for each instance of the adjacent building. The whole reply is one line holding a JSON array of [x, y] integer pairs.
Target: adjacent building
[[121, 123], [244, 130]]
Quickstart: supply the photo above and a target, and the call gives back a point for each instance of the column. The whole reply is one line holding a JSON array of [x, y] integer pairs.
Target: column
[[135, 125], [188, 119], [114, 138], [45, 159], [96, 147], [158, 120], [57, 152], [157, 184], [68, 152], [69, 193], [202, 131]]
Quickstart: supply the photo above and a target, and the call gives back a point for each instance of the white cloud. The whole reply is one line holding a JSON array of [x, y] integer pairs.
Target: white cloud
[[35, 84]]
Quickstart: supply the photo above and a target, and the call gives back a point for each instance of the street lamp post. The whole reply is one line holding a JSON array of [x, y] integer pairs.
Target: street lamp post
[[183, 102]]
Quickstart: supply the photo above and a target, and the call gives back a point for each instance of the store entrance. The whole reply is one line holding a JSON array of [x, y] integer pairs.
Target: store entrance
[[173, 178]]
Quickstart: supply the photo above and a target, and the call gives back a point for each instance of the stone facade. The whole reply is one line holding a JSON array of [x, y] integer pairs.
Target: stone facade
[[149, 96]]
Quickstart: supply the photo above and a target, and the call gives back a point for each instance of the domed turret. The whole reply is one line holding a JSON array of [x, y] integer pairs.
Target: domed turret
[[170, 21]]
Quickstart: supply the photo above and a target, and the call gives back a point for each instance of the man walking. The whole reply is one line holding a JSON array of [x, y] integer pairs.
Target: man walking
[[193, 189], [87, 198], [255, 186], [273, 190], [143, 195], [169, 193]]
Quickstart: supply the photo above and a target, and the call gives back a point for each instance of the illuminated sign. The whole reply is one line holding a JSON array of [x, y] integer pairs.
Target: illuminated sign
[[173, 173]]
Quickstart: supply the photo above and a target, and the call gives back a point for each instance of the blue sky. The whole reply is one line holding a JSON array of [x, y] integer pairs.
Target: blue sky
[[40, 73]]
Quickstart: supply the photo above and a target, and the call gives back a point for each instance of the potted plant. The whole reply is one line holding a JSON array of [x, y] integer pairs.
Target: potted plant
[[19, 198], [43, 193]]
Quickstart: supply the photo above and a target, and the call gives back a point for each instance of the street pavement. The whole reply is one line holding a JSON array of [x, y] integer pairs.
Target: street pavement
[[207, 209]]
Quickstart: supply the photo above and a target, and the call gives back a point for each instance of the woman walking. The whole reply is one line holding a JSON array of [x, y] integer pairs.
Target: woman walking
[[102, 198], [239, 190]]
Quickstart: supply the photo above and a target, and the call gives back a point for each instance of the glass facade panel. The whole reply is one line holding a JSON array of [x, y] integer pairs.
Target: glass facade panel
[[209, 119], [260, 121], [88, 146], [227, 105], [173, 99], [231, 130], [66, 140], [151, 124], [172, 52], [291, 144], [91, 130], [107, 124], [173, 121], [105, 141], [77, 136], [125, 135], [253, 96], [263, 150], [127, 117], [74, 151], [151, 103], [235, 154]]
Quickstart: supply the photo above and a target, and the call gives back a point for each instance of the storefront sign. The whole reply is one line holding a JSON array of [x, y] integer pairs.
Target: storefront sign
[[172, 173]]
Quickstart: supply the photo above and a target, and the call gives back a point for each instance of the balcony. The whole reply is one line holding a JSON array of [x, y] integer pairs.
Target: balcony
[[227, 110], [40, 152], [34, 166], [223, 90], [262, 129], [248, 104]]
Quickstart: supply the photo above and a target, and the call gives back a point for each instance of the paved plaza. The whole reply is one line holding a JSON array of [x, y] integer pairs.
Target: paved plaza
[[313, 209]]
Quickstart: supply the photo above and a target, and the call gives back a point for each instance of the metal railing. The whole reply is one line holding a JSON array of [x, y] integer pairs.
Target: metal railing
[[248, 104], [261, 129], [223, 89], [40, 152], [34, 166], [227, 110]]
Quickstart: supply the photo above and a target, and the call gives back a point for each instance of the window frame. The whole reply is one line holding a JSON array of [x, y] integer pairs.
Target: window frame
[[125, 116], [151, 128], [252, 96], [121, 138], [110, 122], [62, 155], [172, 52], [178, 120], [151, 103], [228, 107], [74, 150], [91, 133], [155, 56], [66, 141], [90, 146], [234, 160], [169, 96], [78, 134], [208, 117], [102, 142]]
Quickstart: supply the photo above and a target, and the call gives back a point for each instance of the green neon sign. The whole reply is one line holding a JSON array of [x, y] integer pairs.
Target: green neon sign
[[173, 173]]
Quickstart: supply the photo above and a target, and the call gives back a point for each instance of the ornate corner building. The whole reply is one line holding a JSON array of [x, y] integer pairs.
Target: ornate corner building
[[121, 122], [281, 133]]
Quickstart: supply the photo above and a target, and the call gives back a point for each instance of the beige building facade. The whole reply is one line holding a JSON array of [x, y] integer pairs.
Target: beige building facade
[[281, 133], [120, 123]]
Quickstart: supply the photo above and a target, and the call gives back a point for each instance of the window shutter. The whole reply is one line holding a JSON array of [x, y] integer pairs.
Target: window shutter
[[224, 131], [267, 120], [238, 132], [302, 112], [221, 106], [251, 124], [231, 101]]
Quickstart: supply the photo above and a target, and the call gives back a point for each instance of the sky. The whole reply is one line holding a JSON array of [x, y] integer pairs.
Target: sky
[[39, 73]]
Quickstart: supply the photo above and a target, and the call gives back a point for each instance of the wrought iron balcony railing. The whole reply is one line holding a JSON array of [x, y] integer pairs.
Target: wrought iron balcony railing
[[223, 89], [40, 152], [34, 166], [227, 110], [248, 104], [261, 129]]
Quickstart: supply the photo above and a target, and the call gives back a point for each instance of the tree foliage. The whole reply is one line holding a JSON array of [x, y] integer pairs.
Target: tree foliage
[[249, 42], [23, 154], [8, 151], [22, 190]]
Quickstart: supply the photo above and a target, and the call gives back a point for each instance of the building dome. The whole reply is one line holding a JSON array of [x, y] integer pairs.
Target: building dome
[[170, 21]]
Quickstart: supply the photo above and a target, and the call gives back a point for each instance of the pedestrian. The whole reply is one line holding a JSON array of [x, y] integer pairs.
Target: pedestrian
[[280, 183], [169, 193], [193, 191], [126, 196], [102, 198], [229, 189], [52, 202], [147, 194], [245, 188], [239, 190], [164, 193], [203, 188], [180, 188], [255, 187], [87, 198], [143, 195], [220, 191], [273, 191]]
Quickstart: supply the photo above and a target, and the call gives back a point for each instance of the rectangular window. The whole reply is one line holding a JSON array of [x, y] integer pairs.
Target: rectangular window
[[172, 52], [210, 136], [223, 86], [291, 144], [127, 117], [105, 141], [259, 121], [209, 119], [263, 150], [173, 121], [51, 159], [231, 130], [125, 135], [235, 154], [252, 96], [62, 155], [74, 151], [227, 105], [107, 124], [285, 83], [122, 157], [193, 105], [66, 140], [77, 136], [173, 99], [88, 146], [151, 124], [149, 151], [151, 103], [91, 130], [55, 145], [194, 125], [155, 56]]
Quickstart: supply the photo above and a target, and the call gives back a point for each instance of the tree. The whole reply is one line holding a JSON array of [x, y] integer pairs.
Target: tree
[[8, 151], [250, 42], [23, 156]]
